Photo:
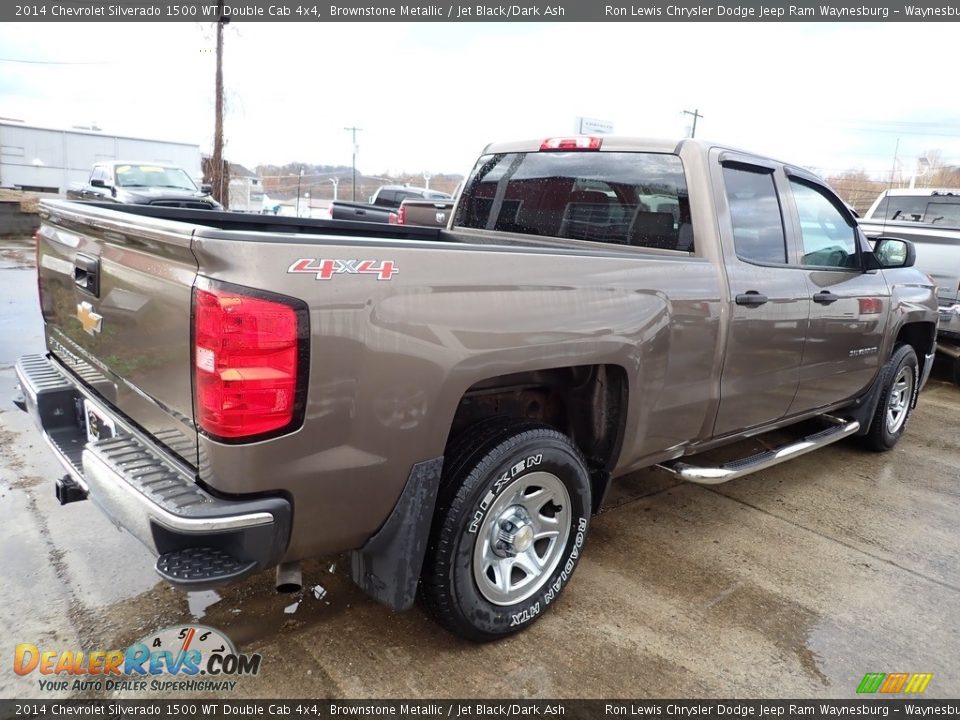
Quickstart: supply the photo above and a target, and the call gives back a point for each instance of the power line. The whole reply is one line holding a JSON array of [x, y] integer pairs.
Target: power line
[[55, 62]]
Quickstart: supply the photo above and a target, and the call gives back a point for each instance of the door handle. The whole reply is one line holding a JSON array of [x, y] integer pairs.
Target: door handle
[[825, 297], [751, 298]]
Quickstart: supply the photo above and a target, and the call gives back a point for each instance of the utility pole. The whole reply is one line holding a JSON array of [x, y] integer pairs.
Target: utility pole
[[217, 161], [696, 114], [353, 131], [299, 178]]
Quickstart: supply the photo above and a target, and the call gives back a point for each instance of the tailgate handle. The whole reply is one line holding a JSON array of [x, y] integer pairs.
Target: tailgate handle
[[86, 274]]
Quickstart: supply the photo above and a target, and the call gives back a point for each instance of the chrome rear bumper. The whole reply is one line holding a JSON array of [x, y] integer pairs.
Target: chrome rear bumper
[[140, 488]]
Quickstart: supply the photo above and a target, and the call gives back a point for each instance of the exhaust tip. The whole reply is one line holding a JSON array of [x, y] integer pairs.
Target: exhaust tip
[[289, 577]]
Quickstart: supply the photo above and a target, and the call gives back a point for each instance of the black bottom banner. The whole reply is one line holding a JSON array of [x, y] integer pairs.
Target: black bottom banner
[[470, 709]]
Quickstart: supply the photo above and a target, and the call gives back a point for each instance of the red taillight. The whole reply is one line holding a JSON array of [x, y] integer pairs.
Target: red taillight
[[393, 219], [402, 216], [581, 142], [247, 362]]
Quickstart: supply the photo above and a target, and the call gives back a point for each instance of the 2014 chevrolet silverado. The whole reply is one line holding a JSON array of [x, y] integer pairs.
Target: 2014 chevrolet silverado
[[450, 406]]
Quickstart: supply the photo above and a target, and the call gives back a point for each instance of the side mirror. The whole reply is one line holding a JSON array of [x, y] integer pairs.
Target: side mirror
[[894, 252], [99, 183], [206, 188]]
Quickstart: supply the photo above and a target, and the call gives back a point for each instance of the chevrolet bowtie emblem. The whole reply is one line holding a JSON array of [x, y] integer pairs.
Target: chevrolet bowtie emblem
[[90, 320]]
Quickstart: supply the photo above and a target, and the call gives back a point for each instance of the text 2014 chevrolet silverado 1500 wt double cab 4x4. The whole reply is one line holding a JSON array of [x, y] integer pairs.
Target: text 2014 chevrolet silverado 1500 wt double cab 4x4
[[930, 219], [242, 392]]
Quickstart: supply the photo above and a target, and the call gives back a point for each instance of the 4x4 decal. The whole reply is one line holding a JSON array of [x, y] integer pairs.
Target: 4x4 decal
[[325, 269]]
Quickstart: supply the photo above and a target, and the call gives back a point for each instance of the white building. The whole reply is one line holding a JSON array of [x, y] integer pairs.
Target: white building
[[44, 159], [246, 190]]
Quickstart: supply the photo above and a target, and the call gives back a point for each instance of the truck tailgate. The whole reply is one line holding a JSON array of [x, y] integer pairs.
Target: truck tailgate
[[116, 302]]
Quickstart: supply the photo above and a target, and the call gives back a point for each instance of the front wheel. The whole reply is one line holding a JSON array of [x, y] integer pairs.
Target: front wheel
[[512, 518], [899, 385]]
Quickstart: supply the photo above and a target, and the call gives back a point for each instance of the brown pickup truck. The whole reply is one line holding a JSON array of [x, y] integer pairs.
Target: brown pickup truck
[[450, 406]]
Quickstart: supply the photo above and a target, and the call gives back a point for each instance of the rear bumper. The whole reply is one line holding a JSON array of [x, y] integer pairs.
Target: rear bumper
[[201, 541]]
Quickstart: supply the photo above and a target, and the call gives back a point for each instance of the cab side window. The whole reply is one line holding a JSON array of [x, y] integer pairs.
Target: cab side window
[[829, 240], [755, 213], [387, 198]]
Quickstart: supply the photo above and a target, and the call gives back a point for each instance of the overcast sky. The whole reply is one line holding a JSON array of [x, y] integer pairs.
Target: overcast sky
[[429, 96]]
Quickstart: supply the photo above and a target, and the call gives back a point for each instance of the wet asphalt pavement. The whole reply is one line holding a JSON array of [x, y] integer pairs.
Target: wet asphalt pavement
[[793, 582]]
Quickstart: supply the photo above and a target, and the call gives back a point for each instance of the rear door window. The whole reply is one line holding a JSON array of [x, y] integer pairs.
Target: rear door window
[[622, 198]]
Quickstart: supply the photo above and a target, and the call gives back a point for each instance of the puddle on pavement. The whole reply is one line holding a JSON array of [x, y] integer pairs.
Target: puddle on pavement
[[249, 612], [199, 601]]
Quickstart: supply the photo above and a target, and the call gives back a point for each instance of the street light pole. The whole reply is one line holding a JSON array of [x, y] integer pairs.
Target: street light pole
[[353, 131]]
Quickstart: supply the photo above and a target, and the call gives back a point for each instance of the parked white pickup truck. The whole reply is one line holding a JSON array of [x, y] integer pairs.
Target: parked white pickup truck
[[930, 218]]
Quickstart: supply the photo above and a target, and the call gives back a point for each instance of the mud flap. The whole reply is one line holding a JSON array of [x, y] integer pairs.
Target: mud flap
[[388, 567]]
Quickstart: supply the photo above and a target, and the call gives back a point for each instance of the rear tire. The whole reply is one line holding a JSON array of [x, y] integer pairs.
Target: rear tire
[[512, 518], [899, 386]]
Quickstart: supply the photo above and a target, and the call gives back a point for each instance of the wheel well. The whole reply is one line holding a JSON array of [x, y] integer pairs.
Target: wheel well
[[588, 403], [920, 336]]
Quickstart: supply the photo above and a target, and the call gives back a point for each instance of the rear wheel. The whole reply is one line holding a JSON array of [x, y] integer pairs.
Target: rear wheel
[[512, 518], [898, 390]]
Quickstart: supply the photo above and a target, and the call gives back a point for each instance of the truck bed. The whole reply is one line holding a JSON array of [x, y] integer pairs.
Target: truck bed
[[248, 222]]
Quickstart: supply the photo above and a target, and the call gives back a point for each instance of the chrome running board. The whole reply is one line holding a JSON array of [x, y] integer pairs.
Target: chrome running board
[[761, 461]]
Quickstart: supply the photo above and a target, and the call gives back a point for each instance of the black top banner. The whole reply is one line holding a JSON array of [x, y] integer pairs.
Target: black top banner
[[483, 11]]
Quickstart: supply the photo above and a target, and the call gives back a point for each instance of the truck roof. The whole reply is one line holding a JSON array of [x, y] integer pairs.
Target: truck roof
[[152, 163], [620, 143], [611, 143]]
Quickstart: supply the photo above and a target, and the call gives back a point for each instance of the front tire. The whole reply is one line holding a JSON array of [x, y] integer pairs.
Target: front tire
[[512, 518], [899, 387]]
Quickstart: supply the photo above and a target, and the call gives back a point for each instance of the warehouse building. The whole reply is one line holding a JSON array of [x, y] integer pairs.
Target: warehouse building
[[49, 160]]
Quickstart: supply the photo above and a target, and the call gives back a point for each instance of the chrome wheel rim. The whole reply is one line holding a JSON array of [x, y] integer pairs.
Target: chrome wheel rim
[[899, 402], [522, 538]]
